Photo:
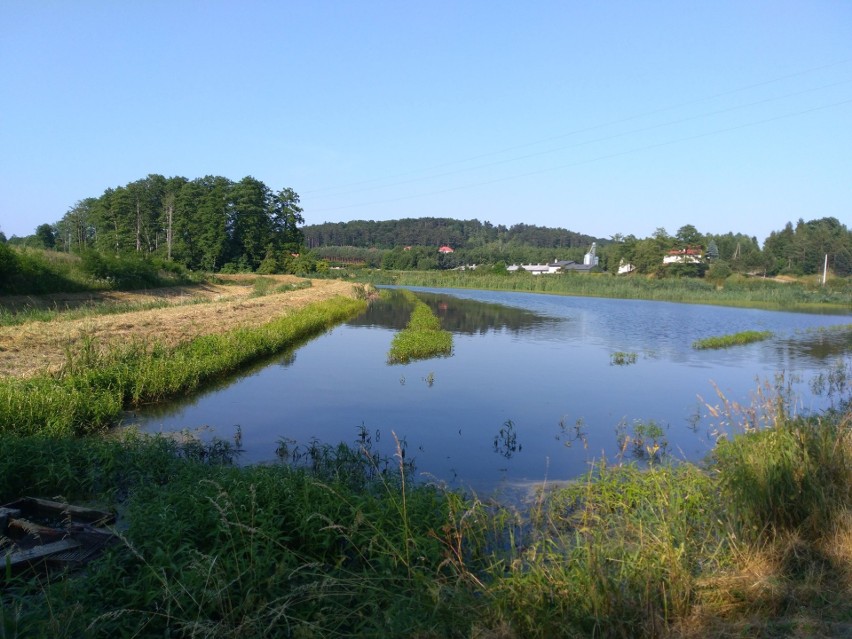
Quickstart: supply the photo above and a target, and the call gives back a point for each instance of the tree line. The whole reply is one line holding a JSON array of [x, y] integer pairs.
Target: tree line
[[215, 224], [437, 231], [209, 223]]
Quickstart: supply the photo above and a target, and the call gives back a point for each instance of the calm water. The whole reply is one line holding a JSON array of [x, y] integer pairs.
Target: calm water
[[531, 390]]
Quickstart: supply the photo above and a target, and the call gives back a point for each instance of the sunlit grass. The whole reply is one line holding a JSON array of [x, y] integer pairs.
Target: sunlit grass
[[95, 385], [735, 339], [737, 290], [422, 338]]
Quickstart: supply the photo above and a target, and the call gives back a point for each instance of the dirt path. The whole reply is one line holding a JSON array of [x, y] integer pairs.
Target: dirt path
[[38, 346]]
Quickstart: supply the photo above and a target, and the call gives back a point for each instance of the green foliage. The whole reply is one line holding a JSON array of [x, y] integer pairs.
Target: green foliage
[[124, 272], [33, 272], [422, 338], [204, 224], [93, 388], [736, 291], [735, 339], [621, 358], [345, 545], [796, 475]]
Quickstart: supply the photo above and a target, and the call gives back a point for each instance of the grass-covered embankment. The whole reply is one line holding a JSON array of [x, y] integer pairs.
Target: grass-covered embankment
[[733, 291], [734, 339], [757, 542], [422, 337], [94, 386], [29, 271]]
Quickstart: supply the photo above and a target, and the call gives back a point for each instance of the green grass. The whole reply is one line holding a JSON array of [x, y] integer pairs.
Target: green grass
[[622, 358], [93, 389], [735, 339], [28, 271], [734, 291], [422, 338], [347, 545]]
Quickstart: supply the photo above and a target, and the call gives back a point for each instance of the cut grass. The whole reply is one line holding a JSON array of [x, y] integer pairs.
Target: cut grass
[[735, 339], [35, 347], [95, 385]]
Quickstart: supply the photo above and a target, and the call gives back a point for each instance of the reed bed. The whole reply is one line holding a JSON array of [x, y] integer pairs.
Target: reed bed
[[734, 291]]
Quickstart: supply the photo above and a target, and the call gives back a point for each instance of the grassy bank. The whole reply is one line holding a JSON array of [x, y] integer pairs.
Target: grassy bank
[[422, 337], [756, 542], [95, 385], [734, 291]]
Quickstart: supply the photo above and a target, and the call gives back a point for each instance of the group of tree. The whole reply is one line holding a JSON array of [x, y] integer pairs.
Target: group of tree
[[437, 231], [802, 250], [209, 223], [215, 224]]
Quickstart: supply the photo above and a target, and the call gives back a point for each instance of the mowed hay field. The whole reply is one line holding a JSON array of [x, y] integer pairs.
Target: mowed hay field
[[210, 308]]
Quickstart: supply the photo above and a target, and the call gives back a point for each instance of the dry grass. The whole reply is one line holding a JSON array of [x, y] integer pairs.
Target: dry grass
[[38, 346]]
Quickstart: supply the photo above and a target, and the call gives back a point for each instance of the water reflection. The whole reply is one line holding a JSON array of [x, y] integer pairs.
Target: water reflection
[[460, 316]]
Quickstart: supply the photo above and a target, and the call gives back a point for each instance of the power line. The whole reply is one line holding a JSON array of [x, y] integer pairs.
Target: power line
[[588, 161], [579, 131], [596, 140]]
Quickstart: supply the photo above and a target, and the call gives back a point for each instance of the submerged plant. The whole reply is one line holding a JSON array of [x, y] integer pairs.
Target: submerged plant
[[620, 358]]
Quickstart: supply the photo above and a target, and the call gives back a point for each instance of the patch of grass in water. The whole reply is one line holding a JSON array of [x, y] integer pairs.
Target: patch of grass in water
[[735, 339], [620, 358], [422, 338]]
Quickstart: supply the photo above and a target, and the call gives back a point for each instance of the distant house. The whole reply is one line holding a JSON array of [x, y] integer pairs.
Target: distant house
[[557, 266], [445, 249], [688, 255], [625, 267]]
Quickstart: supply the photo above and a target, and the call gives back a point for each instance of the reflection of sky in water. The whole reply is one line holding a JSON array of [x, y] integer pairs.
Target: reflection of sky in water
[[535, 361]]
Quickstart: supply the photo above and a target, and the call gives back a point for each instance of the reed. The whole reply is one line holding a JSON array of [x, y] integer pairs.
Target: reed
[[734, 291]]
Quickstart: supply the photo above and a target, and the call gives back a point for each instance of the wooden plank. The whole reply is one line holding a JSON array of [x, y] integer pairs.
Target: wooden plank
[[30, 555]]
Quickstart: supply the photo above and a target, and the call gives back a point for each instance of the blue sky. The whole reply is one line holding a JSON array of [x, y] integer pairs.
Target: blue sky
[[600, 117]]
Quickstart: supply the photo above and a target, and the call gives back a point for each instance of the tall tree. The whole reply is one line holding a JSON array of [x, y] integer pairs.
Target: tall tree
[[286, 217]]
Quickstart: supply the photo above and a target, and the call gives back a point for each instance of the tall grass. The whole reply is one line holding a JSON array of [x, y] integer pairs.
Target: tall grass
[[29, 271], [734, 291], [758, 538], [422, 337], [94, 387]]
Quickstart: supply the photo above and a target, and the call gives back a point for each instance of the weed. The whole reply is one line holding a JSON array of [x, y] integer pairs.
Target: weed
[[620, 358], [422, 338], [735, 339]]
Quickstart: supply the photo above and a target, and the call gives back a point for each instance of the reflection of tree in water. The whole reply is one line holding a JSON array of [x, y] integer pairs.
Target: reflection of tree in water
[[392, 310], [457, 315], [818, 345], [287, 359]]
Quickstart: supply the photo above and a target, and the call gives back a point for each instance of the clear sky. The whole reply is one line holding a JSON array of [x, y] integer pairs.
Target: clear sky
[[601, 117]]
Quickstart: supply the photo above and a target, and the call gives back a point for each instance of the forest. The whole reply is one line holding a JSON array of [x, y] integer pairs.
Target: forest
[[214, 224], [209, 223]]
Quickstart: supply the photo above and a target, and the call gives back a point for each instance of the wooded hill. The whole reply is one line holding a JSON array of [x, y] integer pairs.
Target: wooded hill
[[438, 231]]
